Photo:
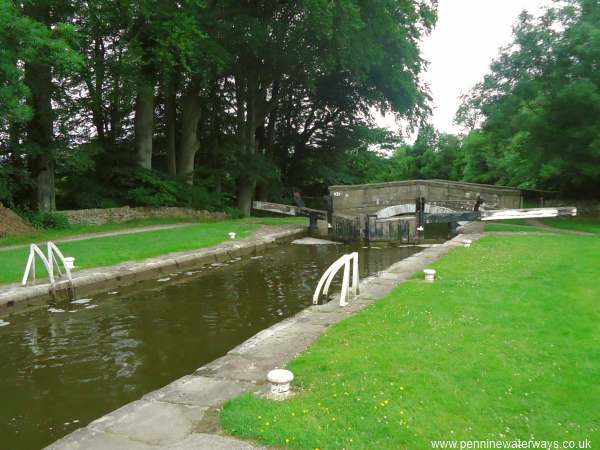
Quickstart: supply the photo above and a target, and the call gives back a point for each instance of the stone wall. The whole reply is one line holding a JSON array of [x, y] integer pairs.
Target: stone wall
[[371, 198], [101, 216]]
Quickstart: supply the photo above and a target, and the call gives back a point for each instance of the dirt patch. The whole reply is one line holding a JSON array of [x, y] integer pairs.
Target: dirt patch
[[12, 223]]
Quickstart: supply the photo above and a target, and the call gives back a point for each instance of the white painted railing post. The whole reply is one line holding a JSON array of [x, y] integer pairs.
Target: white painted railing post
[[355, 287], [48, 262], [335, 268], [52, 249], [345, 283], [350, 264], [33, 250]]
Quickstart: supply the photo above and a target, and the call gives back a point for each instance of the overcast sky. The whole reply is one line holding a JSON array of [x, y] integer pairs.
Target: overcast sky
[[468, 35]]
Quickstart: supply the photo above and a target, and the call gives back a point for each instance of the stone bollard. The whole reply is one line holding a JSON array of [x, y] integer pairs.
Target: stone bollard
[[429, 275], [280, 380], [467, 243], [231, 235]]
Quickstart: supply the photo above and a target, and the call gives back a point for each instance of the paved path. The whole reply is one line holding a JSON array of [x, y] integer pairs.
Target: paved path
[[83, 237]]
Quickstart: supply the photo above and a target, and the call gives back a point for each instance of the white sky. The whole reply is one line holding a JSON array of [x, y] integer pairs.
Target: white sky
[[467, 37]]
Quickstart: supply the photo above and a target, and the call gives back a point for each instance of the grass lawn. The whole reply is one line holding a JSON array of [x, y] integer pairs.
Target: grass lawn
[[76, 230], [510, 225], [116, 249], [506, 345], [589, 224]]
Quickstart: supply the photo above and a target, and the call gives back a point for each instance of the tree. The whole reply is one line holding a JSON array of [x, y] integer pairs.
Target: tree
[[201, 102], [38, 50], [541, 105]]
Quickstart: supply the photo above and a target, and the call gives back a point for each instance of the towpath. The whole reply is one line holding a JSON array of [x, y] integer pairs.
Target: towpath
[[83, 237]]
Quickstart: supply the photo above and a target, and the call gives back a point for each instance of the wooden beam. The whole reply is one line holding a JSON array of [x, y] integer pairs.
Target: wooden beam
[[289, 210], [530, 213], [276, 208], [467, 216]]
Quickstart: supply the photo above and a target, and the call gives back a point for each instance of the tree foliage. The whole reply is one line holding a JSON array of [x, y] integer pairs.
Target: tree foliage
[[534, 120], [540, 105], [199, 102]]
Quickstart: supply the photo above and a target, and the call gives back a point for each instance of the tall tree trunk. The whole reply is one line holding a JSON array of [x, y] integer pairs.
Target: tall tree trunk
[[40, 129], [115, 102], [262, 186], [40, 137], [43, 166], [96, 88], [189, 143], [247, 182], [144, 122], [245, 191], [171, 119]]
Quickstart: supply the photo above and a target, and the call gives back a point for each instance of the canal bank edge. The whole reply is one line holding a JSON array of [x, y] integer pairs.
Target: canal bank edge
[[182, 415], [92, 281]]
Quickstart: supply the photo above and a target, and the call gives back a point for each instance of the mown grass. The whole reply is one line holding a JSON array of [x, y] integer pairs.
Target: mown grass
[[506, 345], [505, 225], [76, 230], [111, 250], [511, 225], [589, 224], [42, 236]]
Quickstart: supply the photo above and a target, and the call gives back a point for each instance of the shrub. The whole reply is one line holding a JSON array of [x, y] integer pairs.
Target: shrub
[[45, 220]]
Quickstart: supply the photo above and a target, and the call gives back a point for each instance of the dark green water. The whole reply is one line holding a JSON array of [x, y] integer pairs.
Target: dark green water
[[61, 370]]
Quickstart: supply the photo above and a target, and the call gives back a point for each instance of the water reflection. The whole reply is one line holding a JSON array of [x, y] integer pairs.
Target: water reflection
[[60, 370]]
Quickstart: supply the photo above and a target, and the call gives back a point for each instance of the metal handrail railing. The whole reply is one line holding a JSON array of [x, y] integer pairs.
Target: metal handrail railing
[[350, 264], [49, 262], [52, 250]]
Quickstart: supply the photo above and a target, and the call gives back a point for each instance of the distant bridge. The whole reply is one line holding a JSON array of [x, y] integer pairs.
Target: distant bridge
[[399, 211]]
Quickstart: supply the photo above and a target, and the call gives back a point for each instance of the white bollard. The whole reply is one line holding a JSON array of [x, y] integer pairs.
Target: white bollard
[[467, 243], [429, 275], [231, 235], [280, 380], [69, 262]]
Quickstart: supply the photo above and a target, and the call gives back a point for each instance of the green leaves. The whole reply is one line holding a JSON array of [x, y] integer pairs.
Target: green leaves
[[540, 105]]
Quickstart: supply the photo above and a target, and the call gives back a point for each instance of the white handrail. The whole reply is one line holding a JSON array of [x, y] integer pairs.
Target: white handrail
[[52, 249], [355, 287], [48, 261], [33, 250], [332, 270]]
